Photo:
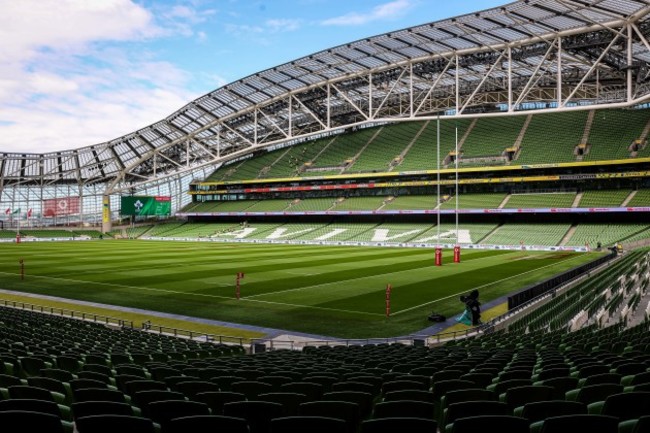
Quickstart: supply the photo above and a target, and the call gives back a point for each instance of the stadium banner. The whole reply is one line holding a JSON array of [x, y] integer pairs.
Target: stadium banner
[[33, 239], [146, 205], [571, 210], [106, 209], [375, 244], [61, 206]]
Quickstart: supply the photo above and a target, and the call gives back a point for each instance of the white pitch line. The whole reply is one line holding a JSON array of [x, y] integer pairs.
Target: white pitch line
[[122, 269], [479, 287], [302, 274], [312, 306], [347, 280], [152, 289]]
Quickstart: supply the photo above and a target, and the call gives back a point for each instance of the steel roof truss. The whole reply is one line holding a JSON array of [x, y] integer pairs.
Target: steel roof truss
[[117, 158], [238, 134], [482, 82], [593, 67], [390, 91], [343, 95], [642, 38], [273, 123], [434, 86], [198, 143], [173, 162], [534, 78], [308, 111]]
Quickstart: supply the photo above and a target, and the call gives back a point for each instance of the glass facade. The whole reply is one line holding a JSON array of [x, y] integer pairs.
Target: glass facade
[[29, 205]]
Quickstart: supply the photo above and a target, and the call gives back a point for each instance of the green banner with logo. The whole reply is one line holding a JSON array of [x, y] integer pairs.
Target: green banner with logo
[[146, 205]]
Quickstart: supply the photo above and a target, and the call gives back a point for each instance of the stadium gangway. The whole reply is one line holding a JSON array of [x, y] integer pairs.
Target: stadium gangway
[[73, 314]]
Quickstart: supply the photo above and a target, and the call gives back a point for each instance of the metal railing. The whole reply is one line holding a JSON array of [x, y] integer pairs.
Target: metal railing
[[194, 335], [121, 323], [73, 314]]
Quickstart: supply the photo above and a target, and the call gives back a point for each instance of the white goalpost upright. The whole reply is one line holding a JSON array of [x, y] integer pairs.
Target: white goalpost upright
[[457, 157], [438, 248]]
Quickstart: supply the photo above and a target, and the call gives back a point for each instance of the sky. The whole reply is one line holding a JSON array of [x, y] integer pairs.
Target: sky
[[75, 73]]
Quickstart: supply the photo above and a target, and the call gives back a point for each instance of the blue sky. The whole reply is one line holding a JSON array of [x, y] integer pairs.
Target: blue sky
[[79, 72]]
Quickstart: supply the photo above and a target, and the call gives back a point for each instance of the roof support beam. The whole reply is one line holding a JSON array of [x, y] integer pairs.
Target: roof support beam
[[478, 87], [533, 76], [593, 67]]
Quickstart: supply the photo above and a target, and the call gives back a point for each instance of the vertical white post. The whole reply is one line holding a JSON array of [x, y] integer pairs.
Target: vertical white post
[[559, 72], [630, 60], [411, 90], [370, 113], [457, 86], [438, 178], [290, 116], [510, 107], [457, 192], [255, 125]]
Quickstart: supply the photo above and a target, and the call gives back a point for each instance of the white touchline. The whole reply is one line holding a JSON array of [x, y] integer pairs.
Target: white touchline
[[313, 307]]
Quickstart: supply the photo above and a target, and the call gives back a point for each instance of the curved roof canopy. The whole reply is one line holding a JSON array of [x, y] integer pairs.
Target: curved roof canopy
[[531, 54]]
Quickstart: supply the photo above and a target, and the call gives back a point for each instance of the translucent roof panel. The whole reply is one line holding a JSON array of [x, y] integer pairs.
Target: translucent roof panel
[[626, 7]]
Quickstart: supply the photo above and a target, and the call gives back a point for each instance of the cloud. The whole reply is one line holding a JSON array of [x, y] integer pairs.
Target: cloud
[[216, 80], [29, 25], [260, 34], [252, 33], [75, 73], [181, 19], [282, 25], [382, 12], [45, 83], [94, 105], [243, 29]]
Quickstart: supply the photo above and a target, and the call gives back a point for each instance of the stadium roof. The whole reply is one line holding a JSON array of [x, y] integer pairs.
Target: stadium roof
[[556, 53]]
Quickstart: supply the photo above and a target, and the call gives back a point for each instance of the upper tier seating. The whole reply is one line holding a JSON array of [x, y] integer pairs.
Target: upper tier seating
[[606, 134]]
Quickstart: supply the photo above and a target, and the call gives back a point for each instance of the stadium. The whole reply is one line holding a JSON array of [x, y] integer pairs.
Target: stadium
[[293, 250]]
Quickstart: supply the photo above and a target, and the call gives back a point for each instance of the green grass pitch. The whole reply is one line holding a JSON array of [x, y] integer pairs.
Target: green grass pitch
[[333, 291]]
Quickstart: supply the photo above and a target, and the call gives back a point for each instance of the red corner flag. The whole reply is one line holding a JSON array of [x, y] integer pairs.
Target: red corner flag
[[29, 213]]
